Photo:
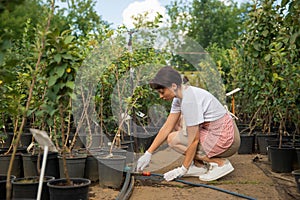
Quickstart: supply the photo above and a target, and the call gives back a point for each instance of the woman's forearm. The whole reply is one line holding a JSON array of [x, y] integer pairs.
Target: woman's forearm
[[193, 136], [159, 139], [164, 131], [190, 154]]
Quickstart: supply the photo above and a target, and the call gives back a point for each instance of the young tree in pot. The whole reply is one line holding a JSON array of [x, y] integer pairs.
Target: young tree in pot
[[113, 163], [118, 90], [64, 62], [268, 76], [273, 53], [65, 56], [124, 75], [65, 59], [25, 112]]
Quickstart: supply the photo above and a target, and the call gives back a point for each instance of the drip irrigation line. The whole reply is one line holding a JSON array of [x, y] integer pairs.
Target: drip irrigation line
[[210, 187], [215, 188], [128, 186]]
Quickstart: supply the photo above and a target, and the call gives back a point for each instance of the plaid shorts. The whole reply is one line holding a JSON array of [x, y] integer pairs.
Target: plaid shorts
[[219, 138]]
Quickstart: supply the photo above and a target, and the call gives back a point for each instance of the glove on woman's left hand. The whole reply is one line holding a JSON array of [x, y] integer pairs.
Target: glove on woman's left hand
[[175, 173]]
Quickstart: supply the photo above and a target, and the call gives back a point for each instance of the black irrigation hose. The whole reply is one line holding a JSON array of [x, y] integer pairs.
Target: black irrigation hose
[[126, 190], [209, 186], [129, 189], [128, 185], [215, 188]]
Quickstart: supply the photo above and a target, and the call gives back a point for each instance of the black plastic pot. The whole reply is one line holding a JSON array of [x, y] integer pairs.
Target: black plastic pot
[[296, 174], [272, 142], [3, 178], [30, 164], [247, 145], [91, 168], [297, 149], [142, 137], [27, 188], [17, 169], [275, 142], [115, 151], [75, 166], [110, 171], [6, 140], [262, 143], [122, 152], [25, 139], [79, 190], [144, 140], [95, 151], [282, 158]]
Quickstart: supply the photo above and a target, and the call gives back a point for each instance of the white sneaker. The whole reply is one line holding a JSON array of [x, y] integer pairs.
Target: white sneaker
[[215, 172], [196, 171]]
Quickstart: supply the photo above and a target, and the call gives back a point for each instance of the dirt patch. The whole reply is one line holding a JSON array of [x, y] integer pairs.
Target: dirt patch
[[251, 178]]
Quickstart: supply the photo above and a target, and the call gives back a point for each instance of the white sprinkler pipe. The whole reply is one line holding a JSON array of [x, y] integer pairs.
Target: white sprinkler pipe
[[45, 142], [42, 173]]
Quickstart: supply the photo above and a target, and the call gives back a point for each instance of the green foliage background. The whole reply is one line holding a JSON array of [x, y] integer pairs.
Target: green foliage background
[[255, 47]]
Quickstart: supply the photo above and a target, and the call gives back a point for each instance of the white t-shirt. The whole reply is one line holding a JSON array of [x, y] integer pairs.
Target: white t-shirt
[[197, 106]]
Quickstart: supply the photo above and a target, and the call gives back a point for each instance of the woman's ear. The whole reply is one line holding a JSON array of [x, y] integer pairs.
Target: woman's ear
[[174, 86]]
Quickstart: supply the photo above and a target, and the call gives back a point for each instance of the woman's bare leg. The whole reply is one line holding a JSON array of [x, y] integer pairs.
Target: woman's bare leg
[[177, 145], [219, 161]]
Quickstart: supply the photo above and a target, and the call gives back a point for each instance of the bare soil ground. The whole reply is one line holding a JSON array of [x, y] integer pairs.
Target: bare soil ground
[[252, 177]]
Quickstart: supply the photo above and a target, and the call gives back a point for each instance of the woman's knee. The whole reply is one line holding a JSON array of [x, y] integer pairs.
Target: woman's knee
[[172, 139]]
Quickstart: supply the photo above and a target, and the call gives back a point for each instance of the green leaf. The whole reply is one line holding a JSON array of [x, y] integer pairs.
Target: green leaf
[[57, 87], [265, 33], [256, 46], [70, 84], [67, 56], [267, 57], [39, 113], [29, 112], [68, 39], [52, 112], [51, 95], [57, 58], [49, 121], [73, 96], [49, 109], [60, 71], [278, 46], [52, 80], [294, 36]]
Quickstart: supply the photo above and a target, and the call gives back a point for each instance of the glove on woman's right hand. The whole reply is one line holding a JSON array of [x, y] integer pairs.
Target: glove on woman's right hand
[[175, 173], [143, 161]]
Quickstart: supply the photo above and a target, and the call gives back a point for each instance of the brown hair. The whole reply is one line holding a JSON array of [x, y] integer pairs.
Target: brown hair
[[165, 77]]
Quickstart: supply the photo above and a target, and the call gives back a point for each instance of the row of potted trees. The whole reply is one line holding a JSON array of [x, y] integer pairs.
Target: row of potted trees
[[282, 149], [85, 165], [49, 98], [257, 141]]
